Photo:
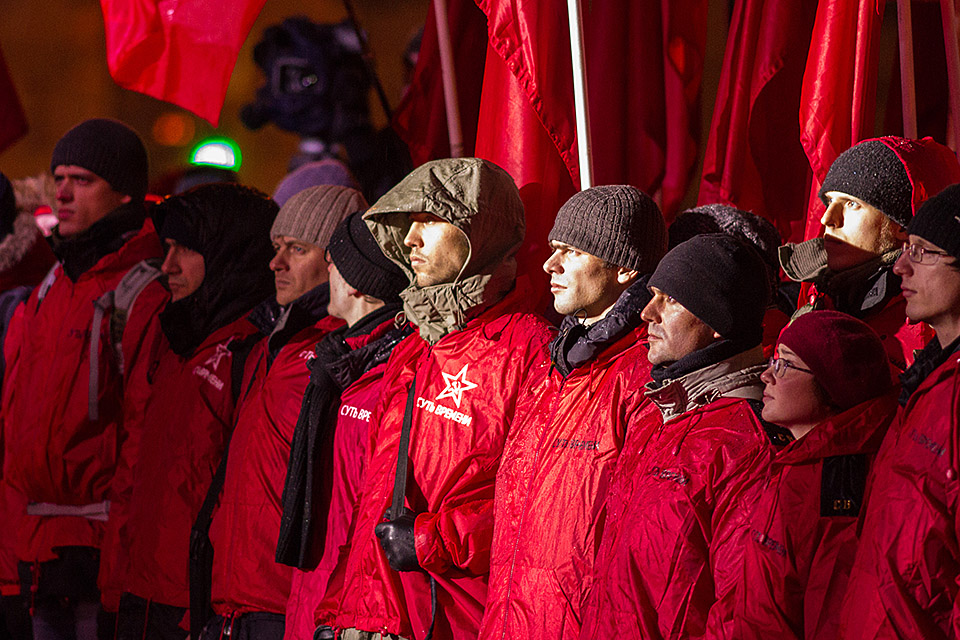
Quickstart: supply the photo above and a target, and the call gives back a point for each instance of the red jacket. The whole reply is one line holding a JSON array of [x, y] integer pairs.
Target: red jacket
[[802, 537], [247, 522], [54, 453], [906, 579], [183, 430], [550, 493], [467, 385], [677, 509], [349, 449]]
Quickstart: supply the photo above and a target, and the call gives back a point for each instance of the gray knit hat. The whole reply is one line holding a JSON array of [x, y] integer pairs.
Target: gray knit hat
[[616, 223], [108, 148], [312, 214]]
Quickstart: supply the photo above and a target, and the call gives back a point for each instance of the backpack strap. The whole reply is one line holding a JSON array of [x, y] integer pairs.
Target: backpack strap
[[117, 303], [44, 287]]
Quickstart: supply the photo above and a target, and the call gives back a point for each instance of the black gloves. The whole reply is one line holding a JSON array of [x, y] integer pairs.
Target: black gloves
[[323, 632], [396, 538]]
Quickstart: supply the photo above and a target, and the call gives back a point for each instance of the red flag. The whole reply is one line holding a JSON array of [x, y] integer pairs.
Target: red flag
[[754, 159], [644, 64], [13, 123], [420, 119], [839, 92], [180, 51]]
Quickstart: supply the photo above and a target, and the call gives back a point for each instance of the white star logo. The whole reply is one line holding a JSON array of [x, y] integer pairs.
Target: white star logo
[[456, 385], [222, 351]]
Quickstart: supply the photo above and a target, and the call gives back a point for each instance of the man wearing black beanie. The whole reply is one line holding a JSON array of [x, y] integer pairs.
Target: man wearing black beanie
[[329, 442], [694, 460], [871, 193], [63, 450]]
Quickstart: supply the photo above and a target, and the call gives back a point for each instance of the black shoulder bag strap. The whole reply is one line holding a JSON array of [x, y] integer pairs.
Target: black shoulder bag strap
[[400, 487]]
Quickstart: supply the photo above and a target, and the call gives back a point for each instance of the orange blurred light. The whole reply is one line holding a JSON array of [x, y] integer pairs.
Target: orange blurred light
[[173, 130]]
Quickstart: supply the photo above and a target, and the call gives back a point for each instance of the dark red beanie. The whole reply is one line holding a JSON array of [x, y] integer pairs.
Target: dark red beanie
[[845, 355]]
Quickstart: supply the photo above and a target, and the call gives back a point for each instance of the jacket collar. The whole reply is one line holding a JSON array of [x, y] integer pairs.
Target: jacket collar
[[734, 377], [79, 253], [577, 344], [927, 361]]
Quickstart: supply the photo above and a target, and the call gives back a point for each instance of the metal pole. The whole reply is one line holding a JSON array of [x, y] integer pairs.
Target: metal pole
[[949, 13], [908, 90], [584, 150], [450, 99], [368, 60]]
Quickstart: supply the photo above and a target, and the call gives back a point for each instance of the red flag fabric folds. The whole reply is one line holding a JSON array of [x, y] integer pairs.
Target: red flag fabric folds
[[180, 51], [420, 119], [839, 94], [754, 159], [13, 123]]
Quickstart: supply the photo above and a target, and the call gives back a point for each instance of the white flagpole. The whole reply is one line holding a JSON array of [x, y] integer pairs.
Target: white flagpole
[[908, 90], [450, 100], [575, 18], [949, 14]]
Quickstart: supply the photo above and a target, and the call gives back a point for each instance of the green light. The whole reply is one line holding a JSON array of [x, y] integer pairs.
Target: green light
[[217, 152]]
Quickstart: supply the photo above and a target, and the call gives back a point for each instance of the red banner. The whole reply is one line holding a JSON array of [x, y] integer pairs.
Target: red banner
[[13, 123]]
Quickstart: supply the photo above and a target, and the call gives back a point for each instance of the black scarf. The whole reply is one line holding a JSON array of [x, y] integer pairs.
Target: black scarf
[[926, 362], [309, 470], [80, 252], [577, 343], [699, 359]]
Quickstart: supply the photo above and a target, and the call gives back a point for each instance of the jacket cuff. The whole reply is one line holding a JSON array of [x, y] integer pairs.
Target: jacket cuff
[[431, 553]]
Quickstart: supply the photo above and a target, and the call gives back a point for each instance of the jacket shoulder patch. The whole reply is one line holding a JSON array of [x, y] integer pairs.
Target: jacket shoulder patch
[[842, 483]]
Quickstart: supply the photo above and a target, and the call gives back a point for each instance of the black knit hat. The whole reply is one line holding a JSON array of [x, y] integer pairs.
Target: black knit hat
[[358, 258], [874, 173], [938, 220], [108, 148], [616, 223], [721, 280]]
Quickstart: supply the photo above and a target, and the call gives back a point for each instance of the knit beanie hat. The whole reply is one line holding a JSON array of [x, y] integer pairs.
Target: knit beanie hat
[[893, 174], [312, 214], [845, 355], [327, 171], [108, 148], [938, 220], [358, 258], [616, 223], [722, 281]]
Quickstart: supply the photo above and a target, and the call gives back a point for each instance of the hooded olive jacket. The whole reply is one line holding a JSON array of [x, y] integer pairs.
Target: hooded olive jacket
[[475, 350]]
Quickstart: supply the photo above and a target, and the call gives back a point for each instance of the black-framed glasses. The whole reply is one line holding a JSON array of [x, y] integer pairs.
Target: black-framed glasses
[[780, 366], [920, 255]]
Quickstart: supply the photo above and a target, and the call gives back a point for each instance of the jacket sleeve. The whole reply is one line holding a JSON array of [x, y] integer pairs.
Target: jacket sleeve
[[140, 337], [741, 488]]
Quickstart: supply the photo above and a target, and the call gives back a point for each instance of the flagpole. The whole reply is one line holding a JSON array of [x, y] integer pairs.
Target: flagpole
[[575, 19], [908, 90], [949, 14], [450, 99]]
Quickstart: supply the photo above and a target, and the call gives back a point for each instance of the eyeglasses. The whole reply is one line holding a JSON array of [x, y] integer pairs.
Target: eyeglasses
[[920, 255], [780, 366]]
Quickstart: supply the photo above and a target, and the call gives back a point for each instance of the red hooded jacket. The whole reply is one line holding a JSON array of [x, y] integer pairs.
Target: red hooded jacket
[[802, 537], [550, 494], [678, 508], [175, 466], [467, 386], [247, 522], [905, 582], [54, 453]]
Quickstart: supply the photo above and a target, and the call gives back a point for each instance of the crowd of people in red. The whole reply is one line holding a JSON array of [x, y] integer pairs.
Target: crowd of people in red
[[230, 415]]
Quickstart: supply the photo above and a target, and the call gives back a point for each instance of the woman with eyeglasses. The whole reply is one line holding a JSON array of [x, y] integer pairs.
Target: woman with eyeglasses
[[829, 384]]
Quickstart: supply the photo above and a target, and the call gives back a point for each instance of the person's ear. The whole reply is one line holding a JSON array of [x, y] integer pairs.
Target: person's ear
[[626, 276]]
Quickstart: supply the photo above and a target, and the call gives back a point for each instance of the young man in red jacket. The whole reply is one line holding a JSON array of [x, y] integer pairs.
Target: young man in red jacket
[[694, 459], [330, 440], [871, 192], [561, 450], [216, 271], [62, 441], [250, 589], [906, 579], [419, 555]]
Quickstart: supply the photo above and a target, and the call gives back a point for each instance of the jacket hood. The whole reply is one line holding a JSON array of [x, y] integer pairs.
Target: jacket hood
[[734, 377], [482, 201]]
